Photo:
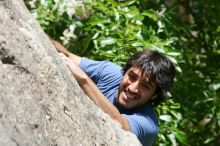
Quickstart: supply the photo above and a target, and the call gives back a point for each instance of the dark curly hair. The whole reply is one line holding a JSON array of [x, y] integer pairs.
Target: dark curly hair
[[159, 69]]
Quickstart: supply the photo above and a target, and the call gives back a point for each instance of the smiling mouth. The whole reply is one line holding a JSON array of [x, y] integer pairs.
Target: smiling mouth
[[129, 96]]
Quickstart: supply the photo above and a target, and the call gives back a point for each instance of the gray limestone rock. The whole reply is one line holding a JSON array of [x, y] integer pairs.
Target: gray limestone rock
[[40, 102]]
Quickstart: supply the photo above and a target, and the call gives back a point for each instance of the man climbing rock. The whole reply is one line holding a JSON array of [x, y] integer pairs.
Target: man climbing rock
[[127, 94]]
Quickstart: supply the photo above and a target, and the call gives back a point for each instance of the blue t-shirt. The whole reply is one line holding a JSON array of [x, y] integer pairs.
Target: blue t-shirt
[[107, 76]]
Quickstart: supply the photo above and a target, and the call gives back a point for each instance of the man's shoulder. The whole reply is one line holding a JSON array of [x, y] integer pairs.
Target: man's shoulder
[[110, 65], [102, 64], [112, 68]]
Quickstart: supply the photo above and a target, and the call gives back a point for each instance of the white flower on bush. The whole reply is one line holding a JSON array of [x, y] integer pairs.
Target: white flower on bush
[[42, 1], [68, 34], [68, 6]]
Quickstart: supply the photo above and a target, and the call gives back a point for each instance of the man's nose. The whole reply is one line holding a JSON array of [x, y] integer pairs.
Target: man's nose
[[133, 87]]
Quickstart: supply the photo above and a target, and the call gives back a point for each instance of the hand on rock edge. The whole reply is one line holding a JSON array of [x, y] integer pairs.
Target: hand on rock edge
[[69, 62], [58, 46]]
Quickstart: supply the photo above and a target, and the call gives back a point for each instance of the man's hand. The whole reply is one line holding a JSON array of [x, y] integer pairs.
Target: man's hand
[[59, 47], [78, 73], [71, 65]]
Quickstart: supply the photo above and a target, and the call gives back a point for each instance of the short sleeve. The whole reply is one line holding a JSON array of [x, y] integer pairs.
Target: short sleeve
[[91, 68], [144, 127], [105, 74]]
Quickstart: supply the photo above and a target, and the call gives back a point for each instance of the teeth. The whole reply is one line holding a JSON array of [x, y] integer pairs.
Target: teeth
[[131, 97], [128, 95]]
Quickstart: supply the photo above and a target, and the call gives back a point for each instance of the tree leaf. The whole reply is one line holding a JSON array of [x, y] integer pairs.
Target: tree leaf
[[166, 118], [107, 41]]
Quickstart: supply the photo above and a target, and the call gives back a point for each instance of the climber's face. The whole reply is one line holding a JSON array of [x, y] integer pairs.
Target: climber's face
[[135, 89]]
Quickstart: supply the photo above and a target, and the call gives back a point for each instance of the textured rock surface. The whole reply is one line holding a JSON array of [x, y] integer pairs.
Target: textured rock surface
[[40, 102]]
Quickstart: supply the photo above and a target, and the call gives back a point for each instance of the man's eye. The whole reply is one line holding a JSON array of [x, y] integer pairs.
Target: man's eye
[[147, 86], [132, 77]]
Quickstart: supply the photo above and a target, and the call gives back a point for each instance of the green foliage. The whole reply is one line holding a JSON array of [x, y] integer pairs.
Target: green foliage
[[114, 30], [59, 19], [170, 133], [198, 86]]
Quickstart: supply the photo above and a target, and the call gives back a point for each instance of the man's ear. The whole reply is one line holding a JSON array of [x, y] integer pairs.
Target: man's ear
[[153, 97]]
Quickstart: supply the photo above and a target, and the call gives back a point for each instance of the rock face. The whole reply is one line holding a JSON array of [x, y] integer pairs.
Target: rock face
[[40, 102]]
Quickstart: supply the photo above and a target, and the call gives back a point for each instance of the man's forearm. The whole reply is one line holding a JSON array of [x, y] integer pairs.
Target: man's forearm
[[100, 100], [75, 58]]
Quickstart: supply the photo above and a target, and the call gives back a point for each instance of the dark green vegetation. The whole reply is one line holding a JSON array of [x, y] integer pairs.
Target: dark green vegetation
[[188, 31]]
